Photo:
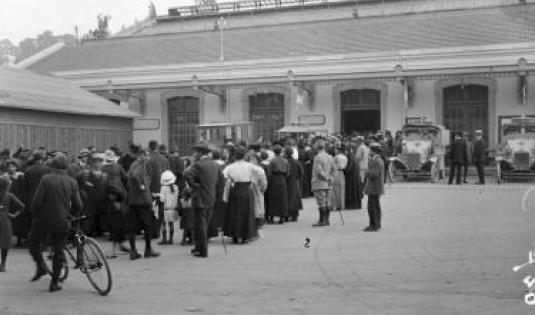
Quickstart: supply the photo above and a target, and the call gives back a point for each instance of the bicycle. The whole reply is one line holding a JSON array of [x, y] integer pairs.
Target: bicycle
[[87, 256]]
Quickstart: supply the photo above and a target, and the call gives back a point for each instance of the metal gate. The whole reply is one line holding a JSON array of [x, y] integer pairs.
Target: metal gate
[[267, 114], [183, 117], [466, 108]]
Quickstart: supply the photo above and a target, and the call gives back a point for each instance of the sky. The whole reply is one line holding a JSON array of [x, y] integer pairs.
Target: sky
[[20, 19]]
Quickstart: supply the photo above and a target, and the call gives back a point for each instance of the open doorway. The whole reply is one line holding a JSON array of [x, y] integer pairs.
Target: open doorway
[[361, 111], [362, 121]]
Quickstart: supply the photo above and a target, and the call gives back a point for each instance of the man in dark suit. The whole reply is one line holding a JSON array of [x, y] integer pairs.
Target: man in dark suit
[[374, 187], [56, 194], [458, 157], [206, 179], [480, 146]]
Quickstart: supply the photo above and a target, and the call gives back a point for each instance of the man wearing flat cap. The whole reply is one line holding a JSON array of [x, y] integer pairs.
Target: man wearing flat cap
[[206, 180], [480, 147], [374, 187]]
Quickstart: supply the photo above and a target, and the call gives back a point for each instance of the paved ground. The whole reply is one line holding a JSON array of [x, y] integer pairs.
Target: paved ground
[[443, 250]]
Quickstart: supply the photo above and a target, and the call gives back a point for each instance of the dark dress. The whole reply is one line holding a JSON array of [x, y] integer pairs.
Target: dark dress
[[353, 183], [306, 158], [8, 204], [277, 205], [116, 195], [294, 189]]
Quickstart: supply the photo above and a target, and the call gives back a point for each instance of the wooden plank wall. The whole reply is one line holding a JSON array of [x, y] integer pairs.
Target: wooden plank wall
[[59, 131]]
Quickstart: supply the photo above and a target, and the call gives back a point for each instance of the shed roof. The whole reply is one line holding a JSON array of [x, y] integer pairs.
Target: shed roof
[[26, 90], [473, 27]]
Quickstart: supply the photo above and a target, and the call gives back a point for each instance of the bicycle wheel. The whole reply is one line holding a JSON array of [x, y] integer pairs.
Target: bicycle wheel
[[96, 267]]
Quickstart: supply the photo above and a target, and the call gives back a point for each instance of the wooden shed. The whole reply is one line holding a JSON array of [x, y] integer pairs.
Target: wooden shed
[[43, 111]]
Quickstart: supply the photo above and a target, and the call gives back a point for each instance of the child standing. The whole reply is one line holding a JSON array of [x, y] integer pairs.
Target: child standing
[[169, 199], [10, 207]]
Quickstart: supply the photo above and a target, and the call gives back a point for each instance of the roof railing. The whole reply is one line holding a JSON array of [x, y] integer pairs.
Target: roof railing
[[252, 5]]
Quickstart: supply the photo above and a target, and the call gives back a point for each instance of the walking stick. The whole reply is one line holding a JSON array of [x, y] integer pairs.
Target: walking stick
[[341, 216], [223, 240]]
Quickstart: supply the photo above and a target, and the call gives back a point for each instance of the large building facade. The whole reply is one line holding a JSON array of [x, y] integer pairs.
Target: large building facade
[[344, 67]]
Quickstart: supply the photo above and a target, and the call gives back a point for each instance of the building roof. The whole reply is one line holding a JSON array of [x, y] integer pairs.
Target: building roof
[[24, 89], [457, 28]]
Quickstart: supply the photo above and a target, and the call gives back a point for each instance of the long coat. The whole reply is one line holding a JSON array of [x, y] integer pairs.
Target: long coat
[[458, 152], [206, 179], [479, 151], [155, 167], [277, 204], [375, 176], [295, 174], [56, 194]]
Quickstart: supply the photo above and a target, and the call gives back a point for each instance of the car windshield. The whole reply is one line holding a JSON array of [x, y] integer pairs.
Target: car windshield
[[511, 130]]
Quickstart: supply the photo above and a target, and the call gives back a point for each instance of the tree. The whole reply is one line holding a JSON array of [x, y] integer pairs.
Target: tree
[[102, 31]]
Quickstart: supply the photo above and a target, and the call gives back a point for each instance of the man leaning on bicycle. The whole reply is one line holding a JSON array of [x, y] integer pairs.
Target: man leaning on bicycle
[[56, 195]]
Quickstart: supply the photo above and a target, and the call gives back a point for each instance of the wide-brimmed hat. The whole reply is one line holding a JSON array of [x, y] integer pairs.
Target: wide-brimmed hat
[[202, 146], [168, 178], [98, 157], [109, 156], [479, 132], [84, 153], [375, 146]]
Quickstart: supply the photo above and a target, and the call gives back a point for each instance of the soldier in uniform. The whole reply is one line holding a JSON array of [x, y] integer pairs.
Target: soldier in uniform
[[322, 182]]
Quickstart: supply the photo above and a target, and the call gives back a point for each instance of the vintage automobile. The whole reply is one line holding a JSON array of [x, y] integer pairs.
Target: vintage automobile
[[515, 157], [423, 150]]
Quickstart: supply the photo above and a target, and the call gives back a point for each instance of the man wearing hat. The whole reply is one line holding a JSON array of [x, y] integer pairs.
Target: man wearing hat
[[480, 147], [56, 195], [205, 179], [374, 187]]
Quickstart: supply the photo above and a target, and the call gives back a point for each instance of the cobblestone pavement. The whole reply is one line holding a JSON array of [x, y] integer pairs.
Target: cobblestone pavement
[[442, 250]]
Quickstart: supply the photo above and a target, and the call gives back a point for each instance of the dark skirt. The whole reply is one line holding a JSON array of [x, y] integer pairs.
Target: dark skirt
[[186, 218], [6, 231], [118, 222], [240, 217], [277, 205], [353, 187], [294, 197]]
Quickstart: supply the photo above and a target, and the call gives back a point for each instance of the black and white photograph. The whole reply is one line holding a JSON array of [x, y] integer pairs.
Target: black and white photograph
[[371, 157]]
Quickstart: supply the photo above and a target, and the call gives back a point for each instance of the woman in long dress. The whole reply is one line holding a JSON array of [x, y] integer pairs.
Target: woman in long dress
[[353, 184], [240, 222], [295, 173], [278, 189], [339, 183]]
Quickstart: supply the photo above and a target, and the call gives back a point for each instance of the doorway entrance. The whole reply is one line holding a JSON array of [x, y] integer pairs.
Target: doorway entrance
[[466, 108], [361, 111]]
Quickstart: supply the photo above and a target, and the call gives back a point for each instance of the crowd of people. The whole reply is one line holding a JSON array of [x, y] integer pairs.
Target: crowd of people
[[231, 191]]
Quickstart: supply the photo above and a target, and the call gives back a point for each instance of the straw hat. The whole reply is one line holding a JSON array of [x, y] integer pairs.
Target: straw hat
[[110, 157]]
